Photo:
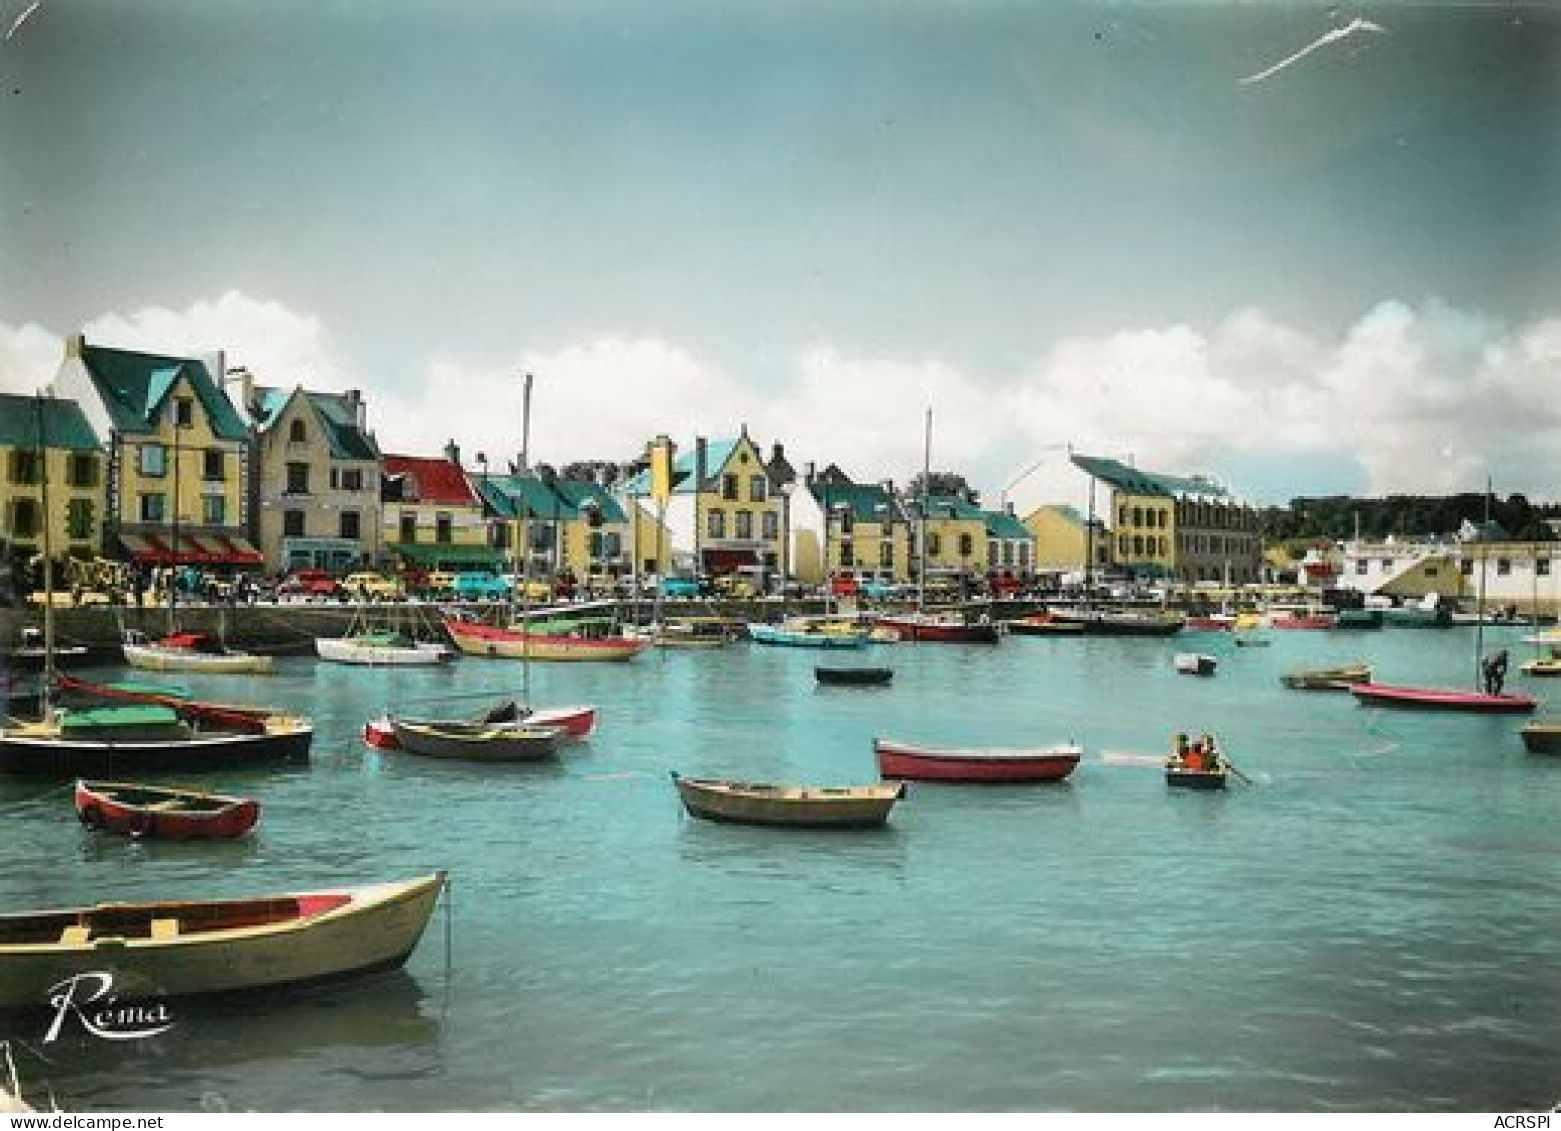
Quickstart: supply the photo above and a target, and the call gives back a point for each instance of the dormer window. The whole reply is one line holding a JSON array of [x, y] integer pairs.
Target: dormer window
[[296, 433], [183, 412]]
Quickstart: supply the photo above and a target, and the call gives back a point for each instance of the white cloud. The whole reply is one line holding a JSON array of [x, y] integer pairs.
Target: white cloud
[[1411, 397]]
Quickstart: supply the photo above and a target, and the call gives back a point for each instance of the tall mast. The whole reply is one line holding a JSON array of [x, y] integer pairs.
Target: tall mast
[[49, 672], [525, 575], [1479, 605], [921, 535]]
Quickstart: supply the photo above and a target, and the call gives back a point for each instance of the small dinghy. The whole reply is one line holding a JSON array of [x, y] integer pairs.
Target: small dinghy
[[138, 810], [854, 677], [809, 806]]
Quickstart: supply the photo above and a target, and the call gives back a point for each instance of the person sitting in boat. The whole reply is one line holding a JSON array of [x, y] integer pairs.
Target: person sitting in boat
[[1193, 759], [1495, 668], [1178, 750]]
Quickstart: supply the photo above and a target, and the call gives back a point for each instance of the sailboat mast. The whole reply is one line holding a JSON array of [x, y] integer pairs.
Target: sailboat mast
[[49, 672], [525, 572], [1479, 604], [921, 535]]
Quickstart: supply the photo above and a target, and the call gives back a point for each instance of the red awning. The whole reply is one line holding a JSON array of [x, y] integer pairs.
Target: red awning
[[729, 561], [240, 551], [142, 549], [195, 549]]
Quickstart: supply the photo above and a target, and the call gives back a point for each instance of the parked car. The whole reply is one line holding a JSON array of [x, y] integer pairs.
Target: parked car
[[309, 583], [680, 587], [480, 585], [372, 587]]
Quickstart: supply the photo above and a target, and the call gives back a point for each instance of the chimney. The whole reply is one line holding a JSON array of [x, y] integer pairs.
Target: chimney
[[452, 452], [701, 450], [777, 452], [359, 411], [75, 344], [809, 473]]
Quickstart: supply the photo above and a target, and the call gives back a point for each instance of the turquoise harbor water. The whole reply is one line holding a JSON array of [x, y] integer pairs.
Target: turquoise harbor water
[[1373, 924]]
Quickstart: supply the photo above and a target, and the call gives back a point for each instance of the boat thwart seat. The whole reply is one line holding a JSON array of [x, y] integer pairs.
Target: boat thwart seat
[[75, 935]]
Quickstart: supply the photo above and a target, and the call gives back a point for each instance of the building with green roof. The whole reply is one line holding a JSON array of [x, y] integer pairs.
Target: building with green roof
[[1189, 528], [572, 526], [316, 478], [42, 436], [849, 529], [176, 452]]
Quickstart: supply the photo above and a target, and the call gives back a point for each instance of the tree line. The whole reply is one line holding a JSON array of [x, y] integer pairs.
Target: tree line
[[1341, 517]]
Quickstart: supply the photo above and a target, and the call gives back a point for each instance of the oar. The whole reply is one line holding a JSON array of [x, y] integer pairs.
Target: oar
[[1231, 766]]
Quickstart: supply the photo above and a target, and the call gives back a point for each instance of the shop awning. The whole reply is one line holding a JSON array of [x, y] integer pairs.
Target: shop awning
[[729, 561], [193, 549]]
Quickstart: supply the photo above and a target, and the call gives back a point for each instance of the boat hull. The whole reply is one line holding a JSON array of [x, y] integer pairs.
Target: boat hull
[[476, 742], [934, 631], [790, 638], [345, 650], [1195, 663], [1195, 779], [152, 658], [1327, 679], [1440, 699], [32, 750], [577, 723], [854, 677], [164, 814], [813, 807], [900, 760], [516, 644], [1542, 738], [1100, 623], [333, 935]]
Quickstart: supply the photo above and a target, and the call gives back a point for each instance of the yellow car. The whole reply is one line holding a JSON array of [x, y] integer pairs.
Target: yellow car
[[372, 587]]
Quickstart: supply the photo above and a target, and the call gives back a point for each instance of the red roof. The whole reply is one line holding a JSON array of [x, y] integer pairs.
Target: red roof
[[437, 480]]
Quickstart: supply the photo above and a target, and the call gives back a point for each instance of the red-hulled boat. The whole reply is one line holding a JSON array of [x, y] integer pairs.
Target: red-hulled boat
[[1441, 699], [902, 760], [944, 627], [576, 722], [167, 814]]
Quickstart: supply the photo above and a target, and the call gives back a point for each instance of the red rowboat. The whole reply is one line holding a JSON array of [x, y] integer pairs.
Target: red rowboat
[[167, 814], [1441, 699], [902, 760], [576, 722]]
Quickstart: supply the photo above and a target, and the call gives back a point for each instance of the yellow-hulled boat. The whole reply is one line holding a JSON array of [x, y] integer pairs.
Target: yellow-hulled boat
[[813, 806]]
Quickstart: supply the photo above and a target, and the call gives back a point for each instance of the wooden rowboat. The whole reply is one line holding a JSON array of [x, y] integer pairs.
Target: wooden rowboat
[[810, 806], [902, 760], [577, 723], [477, 742], [1195, 765], [158, 950], [854, 677], [1328, 679], [167, 814], [1543, 737]]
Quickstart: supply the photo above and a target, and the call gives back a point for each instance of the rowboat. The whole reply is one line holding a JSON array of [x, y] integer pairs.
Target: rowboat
[[1328, 679], [543, 640], [1443, 699], [1544, 666], [190, 652], [159, 950], [167, 814], [1543, 737], [383, 649], [1121, 622], [477, 742], [854, 677], [810, 806], [701, 633], [939, 627], [1043, 624], [806, 636], [903, 760], [1194, 663], [1195, 765], [576, 722]]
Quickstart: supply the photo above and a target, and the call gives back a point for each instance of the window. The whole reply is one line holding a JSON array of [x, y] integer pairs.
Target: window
[[352, 479], [886, 555], [212, 465], [847, 555], [408, 527], [83, 471], [24, 465], [758, 489], [214, 510], [350, 524], [153, 460], [1430, 571], [1503, 567], [335, 478], [715, 524], [153, 507], [1360, 567], [24, 518], [770, 523], [444, 526], [745, 524], [967, 545], [78, 519], [293, 524], [298, 479], [1138, 516], [729, 487], [934, 544], [183, 412], [297, 433], [1466, 567], [1542, 567]]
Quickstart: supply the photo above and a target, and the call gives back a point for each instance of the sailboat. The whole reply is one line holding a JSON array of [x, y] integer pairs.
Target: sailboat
[[381, 643], [1452, 699], [190, 737], [947, 627]]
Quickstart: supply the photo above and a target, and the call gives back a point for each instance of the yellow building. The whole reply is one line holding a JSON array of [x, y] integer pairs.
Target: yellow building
[[317, 468], [574, 527], [42, 437], [432, 519], [177, 455], [1063, 540], [956, 533], [846, 529]]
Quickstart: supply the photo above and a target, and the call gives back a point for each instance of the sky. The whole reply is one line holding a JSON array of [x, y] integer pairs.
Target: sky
[[1054, 225]]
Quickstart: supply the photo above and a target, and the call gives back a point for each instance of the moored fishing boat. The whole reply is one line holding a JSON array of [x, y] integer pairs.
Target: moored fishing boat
[[477, 742], [165, 949], [807, 634], [383, 648], [551, 640], [1543, 666], [190, 652], [1121, 622], [940, 627], [577, 722], [1042, 624], [904, 760], [1441, 699], [692, 633], [1327, 679], [1542, 737], [854, 677], [806, 806], [138, 809]]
